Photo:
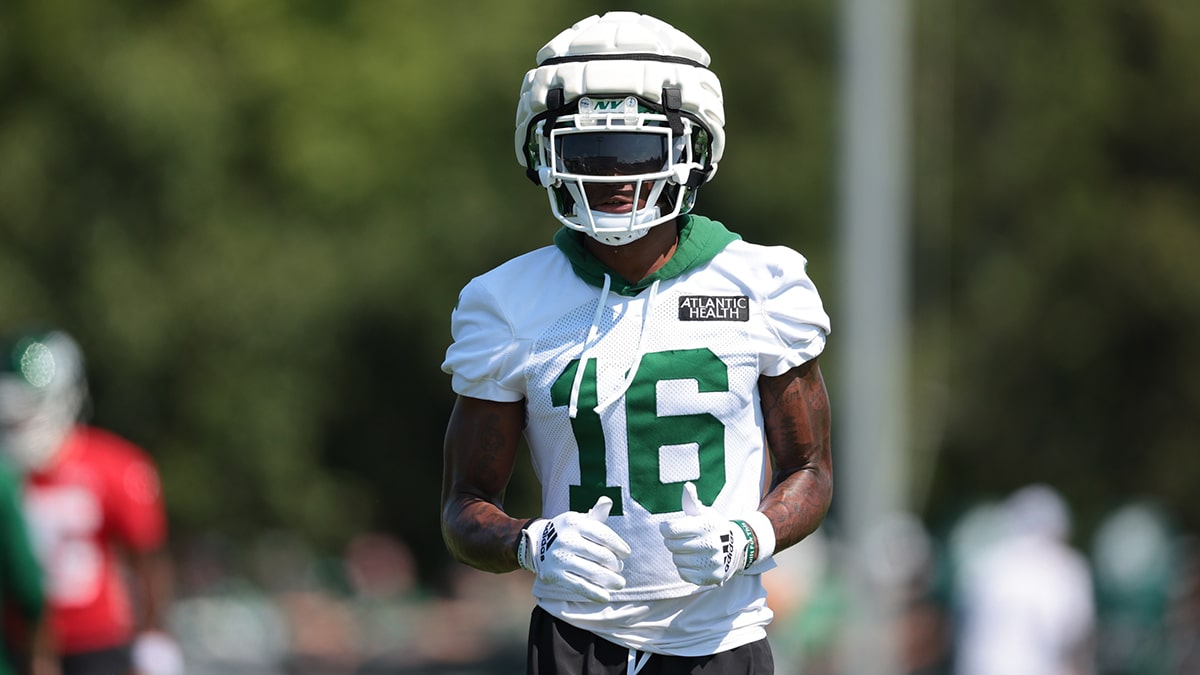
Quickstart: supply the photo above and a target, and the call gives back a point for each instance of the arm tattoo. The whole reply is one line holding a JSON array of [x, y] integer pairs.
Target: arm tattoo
[[797, 419], [479, 455]]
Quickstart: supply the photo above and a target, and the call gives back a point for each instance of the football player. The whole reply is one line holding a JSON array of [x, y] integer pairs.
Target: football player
[[95, 514], [655, 363]]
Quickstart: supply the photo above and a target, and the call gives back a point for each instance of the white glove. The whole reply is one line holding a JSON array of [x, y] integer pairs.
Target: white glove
[[576, 551], [156, 653], [708, 549]]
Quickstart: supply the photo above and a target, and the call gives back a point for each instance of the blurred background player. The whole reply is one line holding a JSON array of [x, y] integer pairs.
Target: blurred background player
[[26, 644], [1026, 599], [95, 514]]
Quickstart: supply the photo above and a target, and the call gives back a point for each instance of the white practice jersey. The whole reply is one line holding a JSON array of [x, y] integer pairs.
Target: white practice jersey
[[668, 391]]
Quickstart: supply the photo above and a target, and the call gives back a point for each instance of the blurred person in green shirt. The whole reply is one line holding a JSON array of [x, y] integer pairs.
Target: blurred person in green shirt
[[26, 646]]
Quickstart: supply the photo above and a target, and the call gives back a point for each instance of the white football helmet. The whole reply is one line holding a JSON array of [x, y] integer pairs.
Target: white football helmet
[[620, 101], [42, 392]]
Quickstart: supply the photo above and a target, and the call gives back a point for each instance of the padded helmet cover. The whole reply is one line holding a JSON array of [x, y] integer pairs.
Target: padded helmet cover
[[659, 55]]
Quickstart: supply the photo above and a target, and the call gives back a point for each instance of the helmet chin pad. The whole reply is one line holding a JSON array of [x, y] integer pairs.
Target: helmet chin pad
[[619, 239], [618, 229]]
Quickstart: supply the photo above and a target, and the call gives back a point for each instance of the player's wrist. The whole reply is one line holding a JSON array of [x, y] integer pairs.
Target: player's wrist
[[525, 547], [761, 534], [750, 550]]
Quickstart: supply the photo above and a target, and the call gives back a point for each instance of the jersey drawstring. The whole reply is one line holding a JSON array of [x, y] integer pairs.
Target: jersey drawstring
[[632, 668], [573, 408], [637, 356]]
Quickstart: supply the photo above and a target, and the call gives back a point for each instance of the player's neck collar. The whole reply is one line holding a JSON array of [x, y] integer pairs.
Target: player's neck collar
[[700, 240]]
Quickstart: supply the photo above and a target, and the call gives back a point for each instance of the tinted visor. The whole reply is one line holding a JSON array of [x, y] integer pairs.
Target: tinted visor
[[611, 153]]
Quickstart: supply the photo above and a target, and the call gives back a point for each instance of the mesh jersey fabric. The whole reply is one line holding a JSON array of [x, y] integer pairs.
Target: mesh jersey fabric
[[692, 412]]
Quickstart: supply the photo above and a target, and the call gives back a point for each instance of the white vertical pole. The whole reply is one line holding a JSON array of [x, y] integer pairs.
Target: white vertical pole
[[870, 417]]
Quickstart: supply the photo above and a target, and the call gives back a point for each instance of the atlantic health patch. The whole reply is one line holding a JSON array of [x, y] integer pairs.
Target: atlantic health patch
[[714, 308]]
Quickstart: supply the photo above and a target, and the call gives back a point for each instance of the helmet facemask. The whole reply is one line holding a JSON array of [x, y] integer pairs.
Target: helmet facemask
[[615, 167]]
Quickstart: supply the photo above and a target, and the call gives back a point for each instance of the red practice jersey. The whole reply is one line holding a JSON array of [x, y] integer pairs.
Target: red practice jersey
[[101, 492]]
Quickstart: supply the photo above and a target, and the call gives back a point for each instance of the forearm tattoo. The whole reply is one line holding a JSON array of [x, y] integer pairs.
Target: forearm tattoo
[[480, 453], [796, 414]]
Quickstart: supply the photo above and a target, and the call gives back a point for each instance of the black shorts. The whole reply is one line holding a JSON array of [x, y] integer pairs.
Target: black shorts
[[114, 661], [558, 648]]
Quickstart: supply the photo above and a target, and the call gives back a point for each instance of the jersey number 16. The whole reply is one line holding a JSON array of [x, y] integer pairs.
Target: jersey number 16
[[647, 433]]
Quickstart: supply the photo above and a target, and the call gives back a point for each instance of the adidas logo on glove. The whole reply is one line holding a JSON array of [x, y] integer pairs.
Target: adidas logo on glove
[[548, 536], [588, 558]]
